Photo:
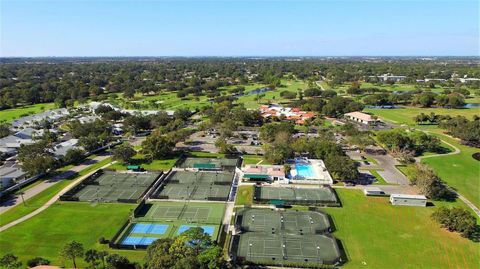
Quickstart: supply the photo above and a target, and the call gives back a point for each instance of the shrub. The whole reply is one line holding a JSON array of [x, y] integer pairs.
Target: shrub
[[37, 261], [457, 220]]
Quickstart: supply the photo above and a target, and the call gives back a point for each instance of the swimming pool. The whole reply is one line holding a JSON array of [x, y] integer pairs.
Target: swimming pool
[[304, 170]]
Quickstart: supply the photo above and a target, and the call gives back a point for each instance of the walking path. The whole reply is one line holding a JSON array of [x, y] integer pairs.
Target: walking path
[[456, 151], [31, 192], [51, 201]]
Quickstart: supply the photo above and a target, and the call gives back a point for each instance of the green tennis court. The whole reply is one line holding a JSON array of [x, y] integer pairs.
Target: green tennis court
[[201, 186], [208, 163], [288, 249], [194, 192], [186, 177], [188, 212], [295, 195], [292, 238], [292, 222], [112, 187]]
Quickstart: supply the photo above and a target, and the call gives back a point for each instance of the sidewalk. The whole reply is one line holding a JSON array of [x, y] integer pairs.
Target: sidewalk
[[51, 201], [16, 200]]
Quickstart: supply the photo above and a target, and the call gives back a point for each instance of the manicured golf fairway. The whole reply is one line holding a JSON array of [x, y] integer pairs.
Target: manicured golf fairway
[[406, 115], [11, 114], [378, 235]]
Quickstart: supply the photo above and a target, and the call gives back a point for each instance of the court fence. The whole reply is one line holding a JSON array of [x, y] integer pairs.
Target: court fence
[[114, 242], [70, 195], [257, 198]]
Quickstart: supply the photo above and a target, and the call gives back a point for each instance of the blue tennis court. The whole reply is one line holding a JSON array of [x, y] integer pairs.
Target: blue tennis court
[[206, 229], [138, 240], [148, 228]]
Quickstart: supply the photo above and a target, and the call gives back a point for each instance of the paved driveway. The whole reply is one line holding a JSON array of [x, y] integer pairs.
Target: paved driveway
[[385, 167]]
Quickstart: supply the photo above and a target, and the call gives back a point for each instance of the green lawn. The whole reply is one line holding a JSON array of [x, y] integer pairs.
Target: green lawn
[[254, 159], [40, 199], [13, 113], [273, 96], [406, 115], [378, 235], [460, 171], [380, 179], [155, 165], [244, 195], [46, 233]]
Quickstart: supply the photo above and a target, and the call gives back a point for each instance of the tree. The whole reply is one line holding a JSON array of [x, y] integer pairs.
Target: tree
[[4, 130], [74, 155], [115, 261], [35, 158], [195, 238], [10, 261], [223, 146], [102, 255], [92, 257], [159, 255], [72, 251], [90, 143], [342, 168], [124, 153], [157, 146], [280, 149], [458, 220], [37, 261], [429, 183]]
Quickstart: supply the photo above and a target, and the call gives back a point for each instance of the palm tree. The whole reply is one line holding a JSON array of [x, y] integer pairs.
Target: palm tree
[[72, 250], [101, 255], [91, 256]]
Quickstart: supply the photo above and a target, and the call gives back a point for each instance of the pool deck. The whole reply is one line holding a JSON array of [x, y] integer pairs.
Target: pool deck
[[321, 174]]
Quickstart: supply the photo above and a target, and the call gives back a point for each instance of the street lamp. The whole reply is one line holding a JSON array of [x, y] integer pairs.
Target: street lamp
[[250, 250], [318, 253], [23, 199]]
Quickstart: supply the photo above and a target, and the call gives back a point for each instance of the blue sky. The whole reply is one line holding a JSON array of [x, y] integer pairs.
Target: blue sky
[[238, 28]]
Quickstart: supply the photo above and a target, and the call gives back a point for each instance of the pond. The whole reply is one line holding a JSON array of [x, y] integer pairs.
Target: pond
[[257, 91], [472, 105]]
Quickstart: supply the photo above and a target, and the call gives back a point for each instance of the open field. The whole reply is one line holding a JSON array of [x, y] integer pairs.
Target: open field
[[383, 236], [13, 113], [40, 199], [254, 159], [460, 171], [45, 234], [406, 115], [139, 159]]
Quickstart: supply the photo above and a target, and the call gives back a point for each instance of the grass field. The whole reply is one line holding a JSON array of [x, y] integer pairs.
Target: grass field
[[40, 199], [460, 171], [155, 165], [406, 115], [245, 195], [13, 113], [273, 96], [45, 234], [384, 236], [254, 159]]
